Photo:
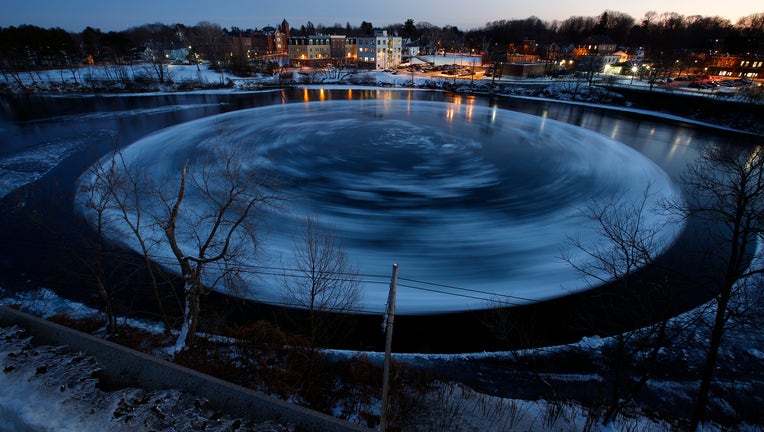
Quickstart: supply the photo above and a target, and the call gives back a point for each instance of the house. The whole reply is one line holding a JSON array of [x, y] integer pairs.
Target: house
[[595, 46], [596, 54], [412, 48], [736, 66], [623, 56], [178, 56]]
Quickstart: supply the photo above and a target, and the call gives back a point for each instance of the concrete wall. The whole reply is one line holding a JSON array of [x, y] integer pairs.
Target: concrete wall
[[130, 368]]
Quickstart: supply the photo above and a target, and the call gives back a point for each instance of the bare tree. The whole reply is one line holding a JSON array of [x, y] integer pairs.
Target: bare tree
[[208, 40], [726, 188], [122, 188], [95, 200], [156, 61], [627, 239], [321, 280], [590, 66], [208, 224]]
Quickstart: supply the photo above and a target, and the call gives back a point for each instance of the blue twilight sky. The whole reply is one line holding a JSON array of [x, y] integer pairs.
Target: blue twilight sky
[[75, 15]]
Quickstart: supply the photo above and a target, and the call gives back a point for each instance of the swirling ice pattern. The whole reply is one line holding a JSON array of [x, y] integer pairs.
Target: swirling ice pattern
[[474, 197]]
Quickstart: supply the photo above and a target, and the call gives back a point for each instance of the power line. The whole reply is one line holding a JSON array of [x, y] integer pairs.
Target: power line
[[289, 272], [469, 290], [292, 271]]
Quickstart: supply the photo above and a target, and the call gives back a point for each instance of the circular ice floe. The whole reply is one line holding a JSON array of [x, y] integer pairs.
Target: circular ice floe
[[459, 196]]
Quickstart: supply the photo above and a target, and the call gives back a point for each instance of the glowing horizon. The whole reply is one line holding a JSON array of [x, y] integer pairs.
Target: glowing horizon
[[76, 15]]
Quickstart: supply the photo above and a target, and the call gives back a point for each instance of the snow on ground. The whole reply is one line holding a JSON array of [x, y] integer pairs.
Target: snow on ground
[[38, 392], [44, 388], [47, 388], [188, 77], [45, 303]]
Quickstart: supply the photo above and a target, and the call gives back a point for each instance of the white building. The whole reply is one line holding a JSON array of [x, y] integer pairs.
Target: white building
[[379, 51]]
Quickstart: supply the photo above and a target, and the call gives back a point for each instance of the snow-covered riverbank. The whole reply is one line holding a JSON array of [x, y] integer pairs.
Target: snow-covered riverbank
[[474, 407]]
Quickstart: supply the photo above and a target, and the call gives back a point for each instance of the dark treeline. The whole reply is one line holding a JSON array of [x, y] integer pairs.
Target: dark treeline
[[30, 47], [654, 32]]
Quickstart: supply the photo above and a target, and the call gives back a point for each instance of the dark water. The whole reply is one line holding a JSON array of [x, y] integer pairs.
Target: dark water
[[46, 143]]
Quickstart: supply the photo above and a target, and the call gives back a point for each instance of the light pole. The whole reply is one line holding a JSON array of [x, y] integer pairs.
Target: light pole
[[472, 60], [633, 72]]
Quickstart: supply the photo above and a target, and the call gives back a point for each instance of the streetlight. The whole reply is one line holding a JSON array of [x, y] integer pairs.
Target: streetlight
[[633, 71]]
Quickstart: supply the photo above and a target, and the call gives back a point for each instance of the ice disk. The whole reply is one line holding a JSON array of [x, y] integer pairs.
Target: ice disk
[[477, 205]]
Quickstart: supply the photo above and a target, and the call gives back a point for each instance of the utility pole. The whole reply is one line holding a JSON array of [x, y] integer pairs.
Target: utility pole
[[388, 348]]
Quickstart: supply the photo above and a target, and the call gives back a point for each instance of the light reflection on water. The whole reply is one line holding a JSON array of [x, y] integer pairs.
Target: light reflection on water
[[455, 193]]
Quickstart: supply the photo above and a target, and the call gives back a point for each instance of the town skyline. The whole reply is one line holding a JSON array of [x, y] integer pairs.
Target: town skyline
[[76, 15]]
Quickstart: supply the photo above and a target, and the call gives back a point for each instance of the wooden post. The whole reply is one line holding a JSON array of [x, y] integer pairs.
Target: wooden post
[[388, 348]]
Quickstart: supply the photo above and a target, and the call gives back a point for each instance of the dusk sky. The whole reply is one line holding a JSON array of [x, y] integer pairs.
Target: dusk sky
[[75, 15]]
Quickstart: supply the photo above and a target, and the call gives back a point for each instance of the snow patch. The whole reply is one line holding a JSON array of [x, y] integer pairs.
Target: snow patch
[[44, 388]]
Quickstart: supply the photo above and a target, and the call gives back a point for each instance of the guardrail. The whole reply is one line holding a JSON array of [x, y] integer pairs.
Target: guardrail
[[130, 368]]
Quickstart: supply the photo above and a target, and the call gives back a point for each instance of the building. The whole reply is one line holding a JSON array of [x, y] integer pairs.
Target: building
[[371, 52], [276, 40], [595, 46], [366, 52], [241, 44], [389, 50], [297, 47], [284, 29], [310, 51], [322, 50], [342, 50], [351, 51], [731, 66], [254, 44], [596, 54], [337, 48], [412, 49], [379, 51], [319, 50], [525, 70]]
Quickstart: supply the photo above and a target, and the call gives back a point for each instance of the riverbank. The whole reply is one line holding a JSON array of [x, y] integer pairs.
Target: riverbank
[[736, 109], [127, 119]]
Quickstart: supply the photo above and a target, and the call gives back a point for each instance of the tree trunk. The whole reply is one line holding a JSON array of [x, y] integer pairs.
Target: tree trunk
[[111, 320], [194, 298], [707, 375], [618, 377]]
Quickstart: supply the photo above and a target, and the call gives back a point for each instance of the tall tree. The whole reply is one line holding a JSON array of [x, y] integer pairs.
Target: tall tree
[[207, 39], [322, 281], [627, 238], [727, 189], [367, 29], [121, 188], [96, 200], [409, 29], [207, 222]]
